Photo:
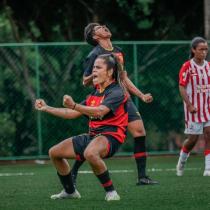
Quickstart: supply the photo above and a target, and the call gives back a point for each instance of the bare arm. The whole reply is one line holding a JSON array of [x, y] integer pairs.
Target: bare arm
[[87, 80], [184, 96], [147, 98], [65, 113], [96, 112]]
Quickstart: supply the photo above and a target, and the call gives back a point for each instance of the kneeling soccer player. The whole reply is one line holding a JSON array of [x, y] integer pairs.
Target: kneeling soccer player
[[108, 119]]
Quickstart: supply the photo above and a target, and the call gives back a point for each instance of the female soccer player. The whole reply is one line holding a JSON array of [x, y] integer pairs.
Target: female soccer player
[[99, 36], [108, 119], [194, 87]]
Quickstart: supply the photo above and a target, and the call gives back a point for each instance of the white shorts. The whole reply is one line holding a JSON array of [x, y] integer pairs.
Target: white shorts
[[195, 127]]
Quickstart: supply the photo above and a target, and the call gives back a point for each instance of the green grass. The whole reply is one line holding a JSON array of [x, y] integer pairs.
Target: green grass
[[192, 191]]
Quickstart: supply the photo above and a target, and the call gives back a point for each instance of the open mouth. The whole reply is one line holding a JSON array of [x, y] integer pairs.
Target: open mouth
[[95, 76], [106, 30]]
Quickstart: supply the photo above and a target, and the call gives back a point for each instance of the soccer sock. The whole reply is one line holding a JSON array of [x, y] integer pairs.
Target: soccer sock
[[76, 166], [207, 159], [184, 154], [66, 181], [140, 155], [106, 182]]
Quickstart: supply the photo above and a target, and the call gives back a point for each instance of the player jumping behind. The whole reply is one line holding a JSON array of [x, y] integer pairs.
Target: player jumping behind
[[99, 36]]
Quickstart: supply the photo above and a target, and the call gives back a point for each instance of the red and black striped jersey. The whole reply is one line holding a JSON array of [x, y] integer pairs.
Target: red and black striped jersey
[[115, 122]]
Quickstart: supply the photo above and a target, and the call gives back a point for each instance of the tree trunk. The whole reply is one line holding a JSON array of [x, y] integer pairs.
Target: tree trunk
[[207, 19]]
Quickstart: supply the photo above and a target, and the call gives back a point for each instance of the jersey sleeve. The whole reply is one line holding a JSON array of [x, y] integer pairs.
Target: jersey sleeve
[[113, 99], [184, 75], [88, 64]]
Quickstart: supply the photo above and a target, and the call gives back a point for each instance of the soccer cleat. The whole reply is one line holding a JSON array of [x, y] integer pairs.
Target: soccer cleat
[[146, 181], [63, 194], [206, 173], [180, 169], [112, 196]]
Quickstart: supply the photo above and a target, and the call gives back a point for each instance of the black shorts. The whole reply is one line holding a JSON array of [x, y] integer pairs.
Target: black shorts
[[133, 113], [81, 142]]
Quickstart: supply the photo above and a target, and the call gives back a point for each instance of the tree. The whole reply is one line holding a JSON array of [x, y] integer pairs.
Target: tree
[[51, 20], [207, 19]]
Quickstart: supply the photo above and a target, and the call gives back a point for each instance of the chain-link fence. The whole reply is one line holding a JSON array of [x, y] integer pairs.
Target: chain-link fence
[[49, 71]]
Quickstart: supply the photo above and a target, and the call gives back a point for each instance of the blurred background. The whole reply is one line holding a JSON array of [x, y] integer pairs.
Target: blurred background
[[41, 55]]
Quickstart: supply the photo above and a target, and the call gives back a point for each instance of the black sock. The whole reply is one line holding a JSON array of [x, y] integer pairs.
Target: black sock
[[106, 181], [75, 168], [66, 181], [140, 155]]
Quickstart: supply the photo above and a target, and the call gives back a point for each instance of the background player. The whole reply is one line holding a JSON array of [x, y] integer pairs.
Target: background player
[[194, 87]]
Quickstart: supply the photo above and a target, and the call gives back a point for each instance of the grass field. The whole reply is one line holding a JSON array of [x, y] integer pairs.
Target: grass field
[[29, 186]]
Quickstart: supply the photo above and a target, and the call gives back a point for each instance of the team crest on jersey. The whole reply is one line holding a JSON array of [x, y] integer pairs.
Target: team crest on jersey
[[92, 103], [193, 72]]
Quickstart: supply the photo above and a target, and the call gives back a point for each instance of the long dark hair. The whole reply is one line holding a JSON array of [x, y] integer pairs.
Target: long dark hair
[[194, 43], [112, 63]]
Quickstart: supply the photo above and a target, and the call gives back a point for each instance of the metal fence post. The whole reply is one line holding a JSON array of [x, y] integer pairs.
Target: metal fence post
[[135, 65], [39, 122]]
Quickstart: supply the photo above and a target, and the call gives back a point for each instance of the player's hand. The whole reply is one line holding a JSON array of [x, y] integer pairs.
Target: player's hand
[[192, 109], [40, 105], [68, 102], [147, 98]]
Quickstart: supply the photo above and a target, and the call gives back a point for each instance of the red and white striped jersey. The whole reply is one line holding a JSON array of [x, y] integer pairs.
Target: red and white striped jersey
[[196, 80]]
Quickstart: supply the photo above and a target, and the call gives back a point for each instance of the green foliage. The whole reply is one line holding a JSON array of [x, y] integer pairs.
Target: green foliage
[[129, 20], [5, 28], [7, 133]]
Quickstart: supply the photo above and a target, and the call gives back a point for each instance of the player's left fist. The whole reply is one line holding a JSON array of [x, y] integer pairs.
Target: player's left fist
[[148, 98]]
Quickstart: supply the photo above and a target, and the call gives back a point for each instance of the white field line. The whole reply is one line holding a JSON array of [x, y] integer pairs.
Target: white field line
[[111, 171], [172, 169], [149, 170], [17, 174]]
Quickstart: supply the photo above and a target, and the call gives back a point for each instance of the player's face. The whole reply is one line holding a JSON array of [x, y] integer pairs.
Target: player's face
[[100, 73], [102, 31], [200, 52]]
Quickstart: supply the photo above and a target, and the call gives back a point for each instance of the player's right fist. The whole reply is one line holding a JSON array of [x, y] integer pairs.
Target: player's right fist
[[68, 101], [40, 104]]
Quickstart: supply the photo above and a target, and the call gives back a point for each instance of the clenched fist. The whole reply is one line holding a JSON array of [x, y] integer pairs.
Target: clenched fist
[[147, 98], [68, 102], [40, 105]]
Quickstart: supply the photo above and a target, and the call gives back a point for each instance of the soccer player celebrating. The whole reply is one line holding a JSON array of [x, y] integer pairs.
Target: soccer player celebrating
[[108, 119], [194, 87], [99, 36]]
